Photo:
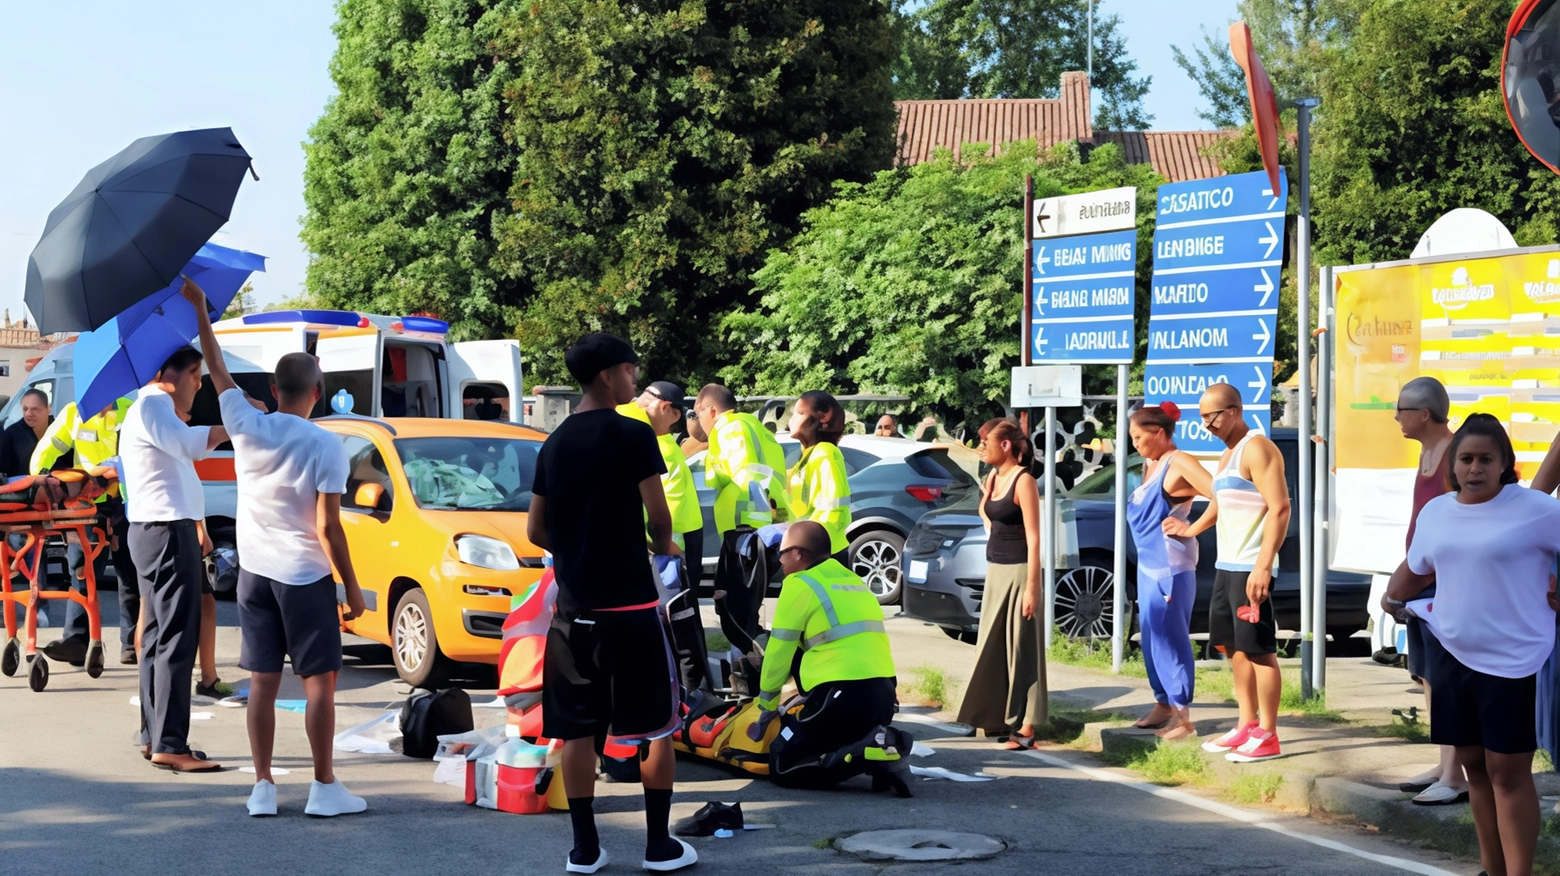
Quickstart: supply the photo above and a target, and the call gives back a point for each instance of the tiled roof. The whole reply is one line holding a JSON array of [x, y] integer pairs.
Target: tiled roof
[[925, 125], [1177, 156], [20, 337]]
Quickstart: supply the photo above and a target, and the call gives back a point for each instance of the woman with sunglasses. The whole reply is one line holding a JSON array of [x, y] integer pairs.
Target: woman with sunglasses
[[1007, 693], [1490, 548], [1166, 565]]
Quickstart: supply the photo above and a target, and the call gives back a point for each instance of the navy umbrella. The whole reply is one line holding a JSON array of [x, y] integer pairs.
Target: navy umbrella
[[131, 226]]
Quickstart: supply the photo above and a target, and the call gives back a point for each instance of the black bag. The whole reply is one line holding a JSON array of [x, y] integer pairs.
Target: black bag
[[428, 715]]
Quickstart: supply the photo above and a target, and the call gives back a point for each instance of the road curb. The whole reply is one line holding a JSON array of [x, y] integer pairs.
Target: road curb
[[1446, 828]]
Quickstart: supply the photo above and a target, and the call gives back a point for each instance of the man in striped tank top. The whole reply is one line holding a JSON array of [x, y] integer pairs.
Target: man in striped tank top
[[1251, 505]]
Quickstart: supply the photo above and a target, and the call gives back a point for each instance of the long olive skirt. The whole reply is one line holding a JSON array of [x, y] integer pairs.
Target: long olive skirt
[[1007, 685]]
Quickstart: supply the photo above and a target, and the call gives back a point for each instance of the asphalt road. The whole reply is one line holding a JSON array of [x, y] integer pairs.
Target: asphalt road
[[76, 796]]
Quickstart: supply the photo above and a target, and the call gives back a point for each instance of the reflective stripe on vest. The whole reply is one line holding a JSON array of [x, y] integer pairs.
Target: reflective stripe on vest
[[60, 444], [786, 635], [824, 601], [843, 631]]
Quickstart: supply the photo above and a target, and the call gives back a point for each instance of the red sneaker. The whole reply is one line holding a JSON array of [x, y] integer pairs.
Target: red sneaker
[[1231, 740], [1260, 745]]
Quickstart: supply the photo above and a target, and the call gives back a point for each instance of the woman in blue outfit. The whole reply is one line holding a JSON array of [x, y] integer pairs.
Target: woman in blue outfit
[[1166, 565]]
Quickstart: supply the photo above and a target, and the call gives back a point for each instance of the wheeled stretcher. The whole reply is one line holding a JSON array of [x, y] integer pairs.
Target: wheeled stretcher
[[38, 508]]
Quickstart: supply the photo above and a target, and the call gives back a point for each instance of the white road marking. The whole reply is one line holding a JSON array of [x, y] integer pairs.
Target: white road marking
[[1256, 819]]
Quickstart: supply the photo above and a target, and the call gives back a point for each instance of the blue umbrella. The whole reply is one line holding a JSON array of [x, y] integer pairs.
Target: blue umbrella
[[125, 353]]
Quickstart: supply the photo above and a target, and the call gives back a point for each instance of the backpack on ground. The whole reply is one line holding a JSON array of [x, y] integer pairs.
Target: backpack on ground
[[428, 715]]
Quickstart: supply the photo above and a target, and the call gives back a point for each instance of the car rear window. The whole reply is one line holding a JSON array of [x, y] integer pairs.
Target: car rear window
[[939, 463], [856, 460]]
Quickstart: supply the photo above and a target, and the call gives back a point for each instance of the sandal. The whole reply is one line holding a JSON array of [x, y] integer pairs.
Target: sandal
[[1019, 743]]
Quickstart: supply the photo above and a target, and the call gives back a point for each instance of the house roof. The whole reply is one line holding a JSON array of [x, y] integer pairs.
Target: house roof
[[927, 125]]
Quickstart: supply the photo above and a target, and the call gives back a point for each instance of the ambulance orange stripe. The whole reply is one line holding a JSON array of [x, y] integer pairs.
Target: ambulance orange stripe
[[216, 469]]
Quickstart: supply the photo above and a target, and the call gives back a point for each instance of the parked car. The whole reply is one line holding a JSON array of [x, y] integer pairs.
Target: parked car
[[435, 514], [893, 481], [947, 540]]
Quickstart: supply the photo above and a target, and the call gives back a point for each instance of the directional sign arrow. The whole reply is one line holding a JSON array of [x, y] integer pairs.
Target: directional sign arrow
[[1265, 287], [1271, 240], [1263, 335], [1256, 423], [1040, 340], [1040, 301], [1041, 261], [1260, 385], [1268, 193]]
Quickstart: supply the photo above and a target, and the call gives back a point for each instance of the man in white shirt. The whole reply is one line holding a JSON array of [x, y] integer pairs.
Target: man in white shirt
[[158, 452], [291, 475]]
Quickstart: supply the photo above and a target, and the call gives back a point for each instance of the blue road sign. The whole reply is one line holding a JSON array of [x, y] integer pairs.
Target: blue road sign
[[1185, 384], [1199, 339], [1107, 341], [1084, 288], [1220, 245], [1242, 289], [1220, 198]]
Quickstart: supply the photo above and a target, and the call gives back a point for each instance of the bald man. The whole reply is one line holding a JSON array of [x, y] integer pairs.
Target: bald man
[[845, 671], [1251, 508]]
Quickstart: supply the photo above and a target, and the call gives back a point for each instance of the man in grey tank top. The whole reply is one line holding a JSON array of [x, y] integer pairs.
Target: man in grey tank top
[[1251, 506]]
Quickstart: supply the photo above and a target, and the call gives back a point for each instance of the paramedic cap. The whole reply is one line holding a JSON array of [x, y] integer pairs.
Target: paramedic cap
[[595, 353], [667, 391]]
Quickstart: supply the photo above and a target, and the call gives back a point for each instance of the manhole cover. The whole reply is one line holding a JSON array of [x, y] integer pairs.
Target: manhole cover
[[920, 845]]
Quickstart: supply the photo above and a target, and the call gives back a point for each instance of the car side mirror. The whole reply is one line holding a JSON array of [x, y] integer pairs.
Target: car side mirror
[[372, 496]]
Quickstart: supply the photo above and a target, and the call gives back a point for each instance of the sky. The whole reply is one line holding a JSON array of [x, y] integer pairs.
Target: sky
[[81, 80]]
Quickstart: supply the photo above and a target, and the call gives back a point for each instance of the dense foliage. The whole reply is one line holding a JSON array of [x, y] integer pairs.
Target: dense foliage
[[912, 283]]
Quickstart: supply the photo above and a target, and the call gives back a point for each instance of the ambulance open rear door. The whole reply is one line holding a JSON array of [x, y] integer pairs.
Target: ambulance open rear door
[[352, 364], [485, 381]]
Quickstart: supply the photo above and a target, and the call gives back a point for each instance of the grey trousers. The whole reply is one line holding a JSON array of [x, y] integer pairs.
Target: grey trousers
[[168, 567]]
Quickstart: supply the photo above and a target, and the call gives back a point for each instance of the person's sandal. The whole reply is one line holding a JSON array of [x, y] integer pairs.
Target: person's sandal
[[191, 762], [1019, 743]]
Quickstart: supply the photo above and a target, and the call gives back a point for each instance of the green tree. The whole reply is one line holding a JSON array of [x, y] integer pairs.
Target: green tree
[[242, 304], [1015, 48], [663, 147], [409, 165], [1290, 36], [912, 283]]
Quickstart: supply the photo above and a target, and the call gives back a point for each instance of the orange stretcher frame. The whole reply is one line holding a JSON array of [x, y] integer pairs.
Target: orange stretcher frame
[[37, 526]]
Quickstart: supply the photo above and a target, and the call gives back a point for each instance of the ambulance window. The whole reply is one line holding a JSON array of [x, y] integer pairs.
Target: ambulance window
[[358, 384], [485, 401], [206, 410], [365, 465], [410, 380]]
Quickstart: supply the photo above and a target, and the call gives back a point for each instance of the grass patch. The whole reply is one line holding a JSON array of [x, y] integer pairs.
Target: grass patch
[[823, 843], [1092, 654], [716, 642], [1404, 727], [1253, 788], [1168, 763], [1217, 684], [1542, 762], [930, 685]]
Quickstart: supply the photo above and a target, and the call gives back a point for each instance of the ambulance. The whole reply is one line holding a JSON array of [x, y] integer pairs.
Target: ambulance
[[375, 366]]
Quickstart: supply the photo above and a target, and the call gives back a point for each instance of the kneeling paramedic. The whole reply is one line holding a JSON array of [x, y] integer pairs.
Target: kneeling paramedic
[[828, 632]]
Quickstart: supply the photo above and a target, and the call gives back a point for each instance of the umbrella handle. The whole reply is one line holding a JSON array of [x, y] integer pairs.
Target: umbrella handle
[[252, 172]]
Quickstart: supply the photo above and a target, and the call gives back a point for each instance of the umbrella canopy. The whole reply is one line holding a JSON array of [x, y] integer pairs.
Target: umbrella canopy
[[131, 225], [125, 353]]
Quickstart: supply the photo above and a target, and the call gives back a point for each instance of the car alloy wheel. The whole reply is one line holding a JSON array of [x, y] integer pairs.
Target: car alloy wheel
[[876, 557], [411, 636], [1085, 602]]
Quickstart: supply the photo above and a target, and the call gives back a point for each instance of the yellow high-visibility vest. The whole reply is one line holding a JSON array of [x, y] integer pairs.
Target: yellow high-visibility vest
[[837, 622], [94, 441], [746, 467], [820, 491]]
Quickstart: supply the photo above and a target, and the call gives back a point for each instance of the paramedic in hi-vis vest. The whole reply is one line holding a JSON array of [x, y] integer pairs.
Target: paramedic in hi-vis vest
[[92, 444], [817, 488], [746, 468], [828, 633]]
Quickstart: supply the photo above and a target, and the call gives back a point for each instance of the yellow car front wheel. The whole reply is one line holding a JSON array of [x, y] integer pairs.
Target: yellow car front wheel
[[417, 657]]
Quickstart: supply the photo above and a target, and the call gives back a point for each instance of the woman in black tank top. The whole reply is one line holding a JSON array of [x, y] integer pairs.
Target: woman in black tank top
[[1007, 692]]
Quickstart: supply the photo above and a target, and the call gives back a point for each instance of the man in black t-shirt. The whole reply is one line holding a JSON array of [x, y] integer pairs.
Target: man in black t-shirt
[[608, 667]]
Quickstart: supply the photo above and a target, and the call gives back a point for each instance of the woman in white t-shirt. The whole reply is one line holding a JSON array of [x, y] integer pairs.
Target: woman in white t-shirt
[[1490, 546]]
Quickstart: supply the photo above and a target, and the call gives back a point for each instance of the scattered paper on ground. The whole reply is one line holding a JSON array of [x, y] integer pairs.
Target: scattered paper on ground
[[941, 773]]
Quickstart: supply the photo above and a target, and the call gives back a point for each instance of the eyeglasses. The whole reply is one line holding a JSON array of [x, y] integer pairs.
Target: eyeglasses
[[1210, 419], [784, 551], [1397, 411]]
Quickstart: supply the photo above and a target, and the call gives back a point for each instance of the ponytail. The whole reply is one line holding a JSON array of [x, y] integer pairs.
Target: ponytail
[[1005, 429]]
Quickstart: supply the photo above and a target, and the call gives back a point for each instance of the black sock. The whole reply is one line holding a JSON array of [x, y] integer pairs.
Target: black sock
[[587, 845], [658, 810]]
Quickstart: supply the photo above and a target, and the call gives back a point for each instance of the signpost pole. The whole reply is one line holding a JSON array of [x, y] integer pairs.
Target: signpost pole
[[1120, 628], [1324, 419], [1025, 351], [1048, 524], [1303, 482]]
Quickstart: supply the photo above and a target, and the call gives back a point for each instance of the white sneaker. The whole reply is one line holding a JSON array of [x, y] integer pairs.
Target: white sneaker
[[333, 799], [262, 800], [601, 861], [688, 858]]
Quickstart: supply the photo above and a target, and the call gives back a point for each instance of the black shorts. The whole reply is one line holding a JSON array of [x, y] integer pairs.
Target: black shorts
[[277, 620], [1468, 707], [1229, 632], [608, 673]]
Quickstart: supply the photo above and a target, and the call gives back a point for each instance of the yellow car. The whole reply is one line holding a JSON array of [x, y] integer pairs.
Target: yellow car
[[435, 514]]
